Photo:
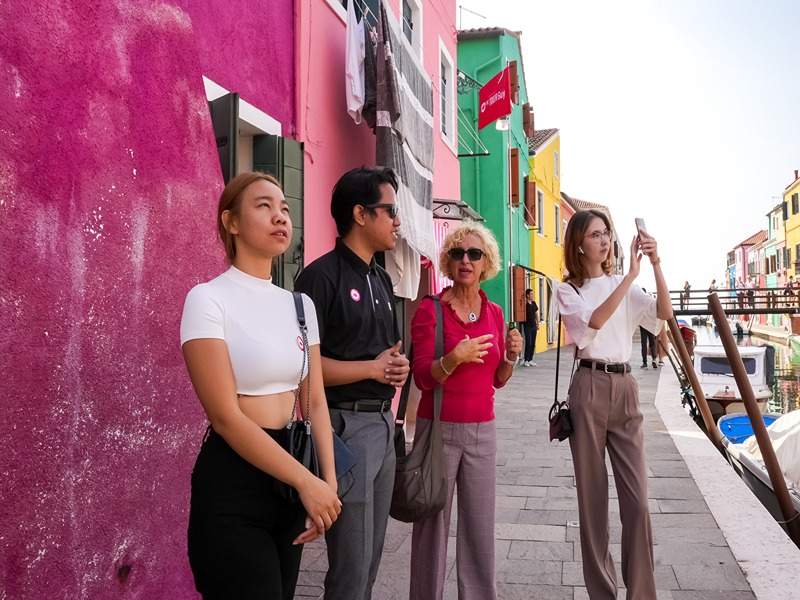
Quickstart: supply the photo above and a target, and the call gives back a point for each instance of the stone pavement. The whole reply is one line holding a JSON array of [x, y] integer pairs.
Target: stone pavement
[[537, 545]]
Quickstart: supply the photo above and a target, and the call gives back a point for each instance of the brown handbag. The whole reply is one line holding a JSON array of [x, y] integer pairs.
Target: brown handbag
[[420, 482]]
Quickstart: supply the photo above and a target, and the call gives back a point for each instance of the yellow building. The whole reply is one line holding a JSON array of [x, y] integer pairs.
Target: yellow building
[[791, 216], [546, 226]]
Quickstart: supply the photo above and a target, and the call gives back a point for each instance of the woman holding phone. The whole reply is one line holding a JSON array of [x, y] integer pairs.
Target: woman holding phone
[[601, 312]]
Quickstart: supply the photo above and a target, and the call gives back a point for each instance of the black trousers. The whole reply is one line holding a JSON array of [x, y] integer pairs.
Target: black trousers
[[529, 333], [240, 529], [648, 340]]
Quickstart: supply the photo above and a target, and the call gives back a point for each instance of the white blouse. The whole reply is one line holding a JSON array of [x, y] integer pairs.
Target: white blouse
[[612, 342], [258, 322]]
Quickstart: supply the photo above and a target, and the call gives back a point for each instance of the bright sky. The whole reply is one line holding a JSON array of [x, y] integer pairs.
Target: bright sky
[[683, 112]]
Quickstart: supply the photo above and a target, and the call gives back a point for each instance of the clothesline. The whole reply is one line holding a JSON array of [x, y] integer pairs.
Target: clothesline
[[365, 10]]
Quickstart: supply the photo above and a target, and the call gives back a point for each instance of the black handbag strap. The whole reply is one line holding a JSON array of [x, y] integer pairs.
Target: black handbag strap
[[558, 352], [301, 322], [438, 351]]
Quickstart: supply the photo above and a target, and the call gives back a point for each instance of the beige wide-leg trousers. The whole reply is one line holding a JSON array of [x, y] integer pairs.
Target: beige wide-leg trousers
[[605, 414]]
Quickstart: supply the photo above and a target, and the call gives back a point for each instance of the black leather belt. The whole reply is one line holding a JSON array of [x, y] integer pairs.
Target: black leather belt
[[605, 367], [364, 405]]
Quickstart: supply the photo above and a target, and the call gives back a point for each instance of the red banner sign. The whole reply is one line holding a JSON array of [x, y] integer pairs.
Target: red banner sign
[[494, 99]]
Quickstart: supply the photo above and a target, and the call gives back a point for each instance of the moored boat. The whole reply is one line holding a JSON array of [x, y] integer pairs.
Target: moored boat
[[742, 453], [716, 377]]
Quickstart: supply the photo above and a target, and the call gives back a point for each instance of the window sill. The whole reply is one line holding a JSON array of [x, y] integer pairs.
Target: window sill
[[338, 9]]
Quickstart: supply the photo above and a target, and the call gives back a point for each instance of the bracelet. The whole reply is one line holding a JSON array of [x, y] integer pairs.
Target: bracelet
[[441, 364], [510, 362]]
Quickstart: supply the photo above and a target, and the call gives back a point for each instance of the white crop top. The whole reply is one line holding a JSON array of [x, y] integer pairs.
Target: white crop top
[[612, 342], [258, 322]]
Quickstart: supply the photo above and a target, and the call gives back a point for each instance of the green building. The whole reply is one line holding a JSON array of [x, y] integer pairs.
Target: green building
[[494, 160]]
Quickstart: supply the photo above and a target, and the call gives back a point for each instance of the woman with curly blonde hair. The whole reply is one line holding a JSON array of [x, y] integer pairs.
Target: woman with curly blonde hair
[[478, 356]]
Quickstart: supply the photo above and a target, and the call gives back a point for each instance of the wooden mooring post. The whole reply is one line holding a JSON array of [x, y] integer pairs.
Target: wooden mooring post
[[790, 515], [699, 396]]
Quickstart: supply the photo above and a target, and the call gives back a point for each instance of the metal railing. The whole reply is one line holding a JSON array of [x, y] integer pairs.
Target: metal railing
[[738, 301]]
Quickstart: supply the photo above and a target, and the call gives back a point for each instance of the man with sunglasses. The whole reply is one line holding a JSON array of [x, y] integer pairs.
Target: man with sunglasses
[[362, 364]]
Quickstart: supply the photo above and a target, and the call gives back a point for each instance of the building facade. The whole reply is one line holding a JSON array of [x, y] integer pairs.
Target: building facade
[[140, 112], [774, 256], [545, 219], [791, 215], [494, 164]]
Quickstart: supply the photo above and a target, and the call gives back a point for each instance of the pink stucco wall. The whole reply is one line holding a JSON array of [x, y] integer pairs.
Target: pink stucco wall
[[248, 47], [109, 184], [333, 142]]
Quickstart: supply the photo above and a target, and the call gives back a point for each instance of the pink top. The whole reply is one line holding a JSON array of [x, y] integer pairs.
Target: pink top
[[469, 392]]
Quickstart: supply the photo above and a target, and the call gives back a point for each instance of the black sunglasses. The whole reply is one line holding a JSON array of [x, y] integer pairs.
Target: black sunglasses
[[474, 254], [392, 208]]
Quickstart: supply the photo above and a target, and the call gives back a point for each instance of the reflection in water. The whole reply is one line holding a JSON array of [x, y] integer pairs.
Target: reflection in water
[[786, 387]]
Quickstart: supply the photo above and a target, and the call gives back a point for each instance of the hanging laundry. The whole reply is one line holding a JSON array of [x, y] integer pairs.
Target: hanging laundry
[[354, 63], [370, 75], [404, 142]]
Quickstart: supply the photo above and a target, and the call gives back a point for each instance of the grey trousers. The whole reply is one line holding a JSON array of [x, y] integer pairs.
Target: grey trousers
[[355, 542], [605, 414], [469, 450]]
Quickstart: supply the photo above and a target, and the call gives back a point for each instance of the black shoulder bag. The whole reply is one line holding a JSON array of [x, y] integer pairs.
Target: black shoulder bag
[[420, 481], [300, 443], [560, 419]]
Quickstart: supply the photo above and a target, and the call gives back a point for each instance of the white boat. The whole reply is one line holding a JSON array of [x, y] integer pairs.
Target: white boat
[[716, 377], [744, 455]]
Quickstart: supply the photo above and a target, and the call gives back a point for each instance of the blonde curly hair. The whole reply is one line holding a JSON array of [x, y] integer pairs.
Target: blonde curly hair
[[491, 256]]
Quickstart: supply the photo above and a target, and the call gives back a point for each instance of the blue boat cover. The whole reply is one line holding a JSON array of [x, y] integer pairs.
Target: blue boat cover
[[737, 428]]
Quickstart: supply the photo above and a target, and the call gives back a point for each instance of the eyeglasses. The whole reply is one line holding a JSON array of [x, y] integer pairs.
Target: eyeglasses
[[392, 209], [474, 254], [596, 235]]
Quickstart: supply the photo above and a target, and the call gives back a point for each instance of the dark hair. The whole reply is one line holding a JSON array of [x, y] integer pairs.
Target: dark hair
[[573, 238], [231, 199], [528, 291], [358, 186]]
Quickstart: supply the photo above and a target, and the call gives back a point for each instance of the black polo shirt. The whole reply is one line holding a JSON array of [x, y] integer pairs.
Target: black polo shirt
[[355, 310]]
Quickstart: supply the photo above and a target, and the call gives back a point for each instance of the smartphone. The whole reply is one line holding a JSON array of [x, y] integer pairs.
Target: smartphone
[[640, 225], [512, 325]]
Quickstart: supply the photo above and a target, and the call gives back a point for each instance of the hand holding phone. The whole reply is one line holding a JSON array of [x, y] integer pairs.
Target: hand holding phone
[[640, 228]]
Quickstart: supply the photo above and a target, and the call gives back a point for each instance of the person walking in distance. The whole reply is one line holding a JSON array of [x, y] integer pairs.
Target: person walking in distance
[[363, 364], [601, 313], [648, 345], [530, 328]]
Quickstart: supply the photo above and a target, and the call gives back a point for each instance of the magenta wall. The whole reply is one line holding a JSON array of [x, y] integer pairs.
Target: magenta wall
[[247, 46], [109, 183]]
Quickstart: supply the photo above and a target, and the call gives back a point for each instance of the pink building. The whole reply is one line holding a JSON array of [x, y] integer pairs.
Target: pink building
[[110, 161], [332, 142]]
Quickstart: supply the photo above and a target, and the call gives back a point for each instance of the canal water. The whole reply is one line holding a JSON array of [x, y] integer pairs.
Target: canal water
[[786, 386]]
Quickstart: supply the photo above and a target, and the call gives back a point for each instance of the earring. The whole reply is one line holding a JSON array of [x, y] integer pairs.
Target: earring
[[580, 250]]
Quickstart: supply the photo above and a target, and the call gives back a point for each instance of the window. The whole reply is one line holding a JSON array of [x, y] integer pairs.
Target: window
[[540, 211], [412, 24], [556, 165], [795, 204], [796, 253], [558, 223], [713, 365], [540, 295], [448, 97]]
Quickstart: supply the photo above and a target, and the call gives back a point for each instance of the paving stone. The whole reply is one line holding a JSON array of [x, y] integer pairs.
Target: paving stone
[[710, 577], [537, 547]]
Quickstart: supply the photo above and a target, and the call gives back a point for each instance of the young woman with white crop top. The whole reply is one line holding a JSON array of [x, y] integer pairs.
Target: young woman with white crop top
[[601, 313], [244, 352]]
